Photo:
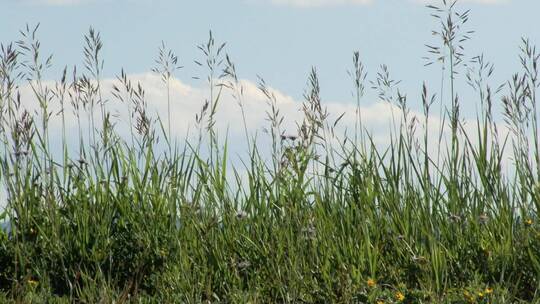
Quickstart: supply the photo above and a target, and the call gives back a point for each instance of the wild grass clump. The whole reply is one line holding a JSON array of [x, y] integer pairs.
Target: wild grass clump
[[444, 213]]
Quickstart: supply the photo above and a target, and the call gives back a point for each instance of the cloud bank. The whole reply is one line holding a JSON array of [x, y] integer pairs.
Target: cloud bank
[[187, 101]]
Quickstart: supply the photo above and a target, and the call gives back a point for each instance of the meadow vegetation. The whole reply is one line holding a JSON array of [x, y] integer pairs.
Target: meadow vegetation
[[328, 218]]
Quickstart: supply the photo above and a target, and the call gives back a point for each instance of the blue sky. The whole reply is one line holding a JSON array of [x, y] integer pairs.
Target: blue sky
[[279, 40]]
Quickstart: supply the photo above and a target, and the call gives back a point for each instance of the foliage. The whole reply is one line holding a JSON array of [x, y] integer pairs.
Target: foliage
[[327, 219]]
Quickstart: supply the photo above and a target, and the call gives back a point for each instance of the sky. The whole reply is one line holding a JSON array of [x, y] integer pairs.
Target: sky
[[278, 40]]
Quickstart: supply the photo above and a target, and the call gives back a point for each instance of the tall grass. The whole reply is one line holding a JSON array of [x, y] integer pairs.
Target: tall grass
[[327, 218]]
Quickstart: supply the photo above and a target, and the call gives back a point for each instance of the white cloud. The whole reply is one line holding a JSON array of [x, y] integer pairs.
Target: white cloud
[[186, 102]]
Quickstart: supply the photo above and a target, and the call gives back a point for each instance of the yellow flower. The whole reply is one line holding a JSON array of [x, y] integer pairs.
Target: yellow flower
[[32, 282], [399, 296], [163, 253], [468, 296], [371, 283], [489, 290], [480, 295], [528, 222], [380, 302]]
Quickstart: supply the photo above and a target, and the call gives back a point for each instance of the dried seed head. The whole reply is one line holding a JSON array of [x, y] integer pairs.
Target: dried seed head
[[455, 217], [241, 215], [23, 131], [310, 232], [419, 259], [20, 153], [243, 265], [483, 218], [288, 137]]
